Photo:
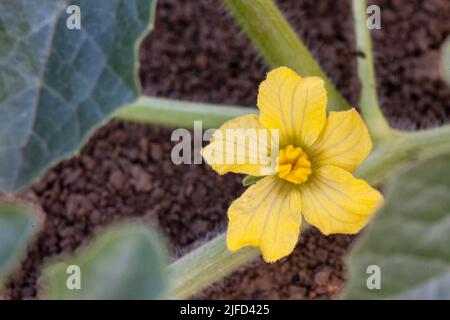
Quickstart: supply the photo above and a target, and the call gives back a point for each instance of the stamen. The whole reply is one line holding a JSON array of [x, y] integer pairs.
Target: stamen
[[294, 165]]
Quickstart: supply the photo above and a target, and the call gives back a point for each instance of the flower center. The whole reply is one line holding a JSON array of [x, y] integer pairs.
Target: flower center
[[294, 165]]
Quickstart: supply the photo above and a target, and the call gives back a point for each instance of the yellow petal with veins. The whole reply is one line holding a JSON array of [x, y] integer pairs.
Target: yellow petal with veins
[[336, 202], [294, 105], [238, 147], [345, 141], [268, 216]]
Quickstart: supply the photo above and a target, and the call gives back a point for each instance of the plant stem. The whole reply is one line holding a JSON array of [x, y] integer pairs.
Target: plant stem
[[276, 41], [206, 265], [370, 108], [445, 60], [176, 113], [404, 150]]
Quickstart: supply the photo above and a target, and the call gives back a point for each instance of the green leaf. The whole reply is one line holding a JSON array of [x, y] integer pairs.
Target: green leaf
[[18, 226], [409, 240], [249, 180], [445, 59], [57, 85], [124, 262]]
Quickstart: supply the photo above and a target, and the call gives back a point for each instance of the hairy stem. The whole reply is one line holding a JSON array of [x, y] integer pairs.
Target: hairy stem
[[278, 44], [176, 113], [206, 265], [368, 103], [404, 150], [445, 59]]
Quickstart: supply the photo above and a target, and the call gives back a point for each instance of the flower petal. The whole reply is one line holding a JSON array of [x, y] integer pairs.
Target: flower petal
[[268, 216], [336, 202], [294, 105], [344, 142], [246, 153]]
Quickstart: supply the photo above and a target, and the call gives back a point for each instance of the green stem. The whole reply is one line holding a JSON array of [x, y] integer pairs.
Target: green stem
[[176, 113], [277, 42], [406, 149], [206, 265], [445, 59], [370, 109]]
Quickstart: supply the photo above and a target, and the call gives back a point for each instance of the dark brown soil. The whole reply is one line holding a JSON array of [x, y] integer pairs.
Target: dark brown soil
[[196, 52], [412, 93]]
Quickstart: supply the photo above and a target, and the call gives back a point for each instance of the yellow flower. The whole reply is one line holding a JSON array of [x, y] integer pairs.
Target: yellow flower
[[313, 179]]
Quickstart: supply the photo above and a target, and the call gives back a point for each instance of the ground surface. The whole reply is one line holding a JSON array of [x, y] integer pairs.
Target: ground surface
[[197, 53]]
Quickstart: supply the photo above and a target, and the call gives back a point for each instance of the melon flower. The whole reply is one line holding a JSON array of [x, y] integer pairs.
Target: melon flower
[[313, 174]]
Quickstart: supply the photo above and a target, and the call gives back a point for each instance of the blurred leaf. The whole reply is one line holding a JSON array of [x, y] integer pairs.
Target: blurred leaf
[[249, 180], [409, 239], [445, 57], [57, 84], [18, 225], [124, 262]]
